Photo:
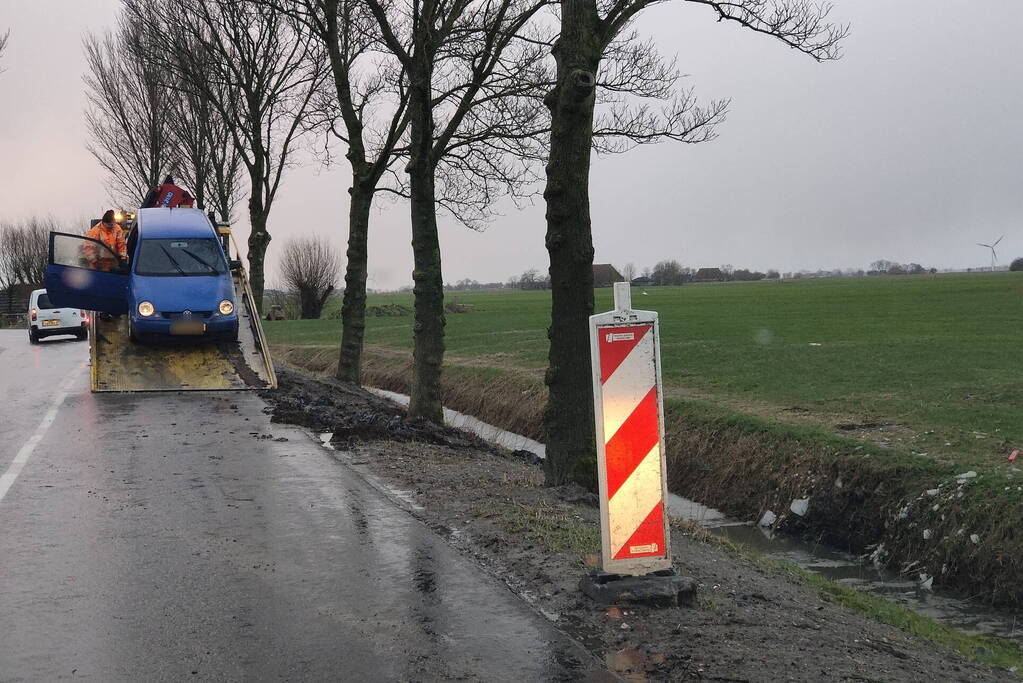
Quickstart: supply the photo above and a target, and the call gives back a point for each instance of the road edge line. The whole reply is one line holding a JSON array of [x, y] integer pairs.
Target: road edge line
[[8, 478]]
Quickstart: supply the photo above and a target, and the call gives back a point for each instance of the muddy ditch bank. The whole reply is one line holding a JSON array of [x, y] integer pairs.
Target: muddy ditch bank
[[751, 622], [910, 514]]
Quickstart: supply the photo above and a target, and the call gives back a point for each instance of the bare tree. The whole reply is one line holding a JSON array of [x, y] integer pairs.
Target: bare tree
[[3, 43], [23, 251], [129, 111], [367, 112], [309, 269], [207, 159], [628, 272], [258, 72], [486, 131], [599, 63], [444, 108]]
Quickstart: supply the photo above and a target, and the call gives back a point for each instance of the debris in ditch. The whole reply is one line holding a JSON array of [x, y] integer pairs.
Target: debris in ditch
[[926, 582], [975, 539], [768, 519], [1014, 455], [927, 534], [966, 475], [799, 506]]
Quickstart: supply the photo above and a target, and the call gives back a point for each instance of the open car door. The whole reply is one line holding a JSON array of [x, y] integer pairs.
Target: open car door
[[84, 273]]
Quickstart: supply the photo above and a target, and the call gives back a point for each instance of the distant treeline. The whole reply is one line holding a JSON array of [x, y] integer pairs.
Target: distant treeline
[[672, 272]]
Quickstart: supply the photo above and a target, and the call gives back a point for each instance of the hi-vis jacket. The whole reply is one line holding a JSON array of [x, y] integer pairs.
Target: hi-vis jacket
[[111, 237]]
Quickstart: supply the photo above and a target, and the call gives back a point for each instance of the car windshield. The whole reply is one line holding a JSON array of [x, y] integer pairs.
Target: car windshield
[[43, 302], [183, 256]]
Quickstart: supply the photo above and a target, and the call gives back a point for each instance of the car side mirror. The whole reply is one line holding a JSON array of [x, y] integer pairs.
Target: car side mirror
[[235, 264]]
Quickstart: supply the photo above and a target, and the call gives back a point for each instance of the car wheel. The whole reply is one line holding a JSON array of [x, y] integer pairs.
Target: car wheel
[[83, 335], [131, 332], [33, 338]]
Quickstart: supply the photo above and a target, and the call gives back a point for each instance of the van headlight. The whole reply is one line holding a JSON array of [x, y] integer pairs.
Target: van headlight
[[146, 309], [226, 307]]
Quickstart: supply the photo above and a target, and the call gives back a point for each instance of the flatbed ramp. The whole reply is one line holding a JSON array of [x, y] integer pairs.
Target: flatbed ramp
[[120, 365]]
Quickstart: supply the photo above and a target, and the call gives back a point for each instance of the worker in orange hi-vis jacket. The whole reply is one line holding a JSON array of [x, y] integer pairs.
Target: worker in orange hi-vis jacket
[[111, 235]]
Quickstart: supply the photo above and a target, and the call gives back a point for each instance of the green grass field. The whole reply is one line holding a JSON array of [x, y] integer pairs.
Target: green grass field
[[924, 364]]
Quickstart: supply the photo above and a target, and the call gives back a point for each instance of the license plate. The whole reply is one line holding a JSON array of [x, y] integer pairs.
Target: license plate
[[51, 323], [186, 326]]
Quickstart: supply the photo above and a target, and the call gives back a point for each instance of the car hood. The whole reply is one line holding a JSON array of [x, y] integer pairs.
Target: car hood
[[194, 293]]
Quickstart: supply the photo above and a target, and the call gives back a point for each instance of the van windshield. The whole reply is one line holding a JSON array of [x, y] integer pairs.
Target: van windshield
[[185, 256]]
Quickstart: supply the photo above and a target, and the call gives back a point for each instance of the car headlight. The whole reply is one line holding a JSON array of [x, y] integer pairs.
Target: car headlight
[[226, 307], [146, 309]]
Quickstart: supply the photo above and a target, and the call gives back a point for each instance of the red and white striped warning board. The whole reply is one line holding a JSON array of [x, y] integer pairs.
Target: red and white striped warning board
[[630, 438]]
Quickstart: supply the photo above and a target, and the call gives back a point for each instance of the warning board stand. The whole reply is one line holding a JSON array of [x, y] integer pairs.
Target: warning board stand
[[636, 561]]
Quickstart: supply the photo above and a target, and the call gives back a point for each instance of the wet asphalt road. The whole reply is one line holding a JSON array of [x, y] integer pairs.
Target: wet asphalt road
[[183, 537]]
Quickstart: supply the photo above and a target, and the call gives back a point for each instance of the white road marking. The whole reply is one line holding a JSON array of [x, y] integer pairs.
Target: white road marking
[[8, 477]]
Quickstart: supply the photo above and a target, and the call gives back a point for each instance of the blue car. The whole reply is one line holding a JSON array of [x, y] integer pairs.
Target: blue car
[[176, 283]]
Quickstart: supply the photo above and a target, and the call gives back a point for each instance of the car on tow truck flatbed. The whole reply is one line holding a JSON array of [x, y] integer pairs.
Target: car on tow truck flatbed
[[177, 282]]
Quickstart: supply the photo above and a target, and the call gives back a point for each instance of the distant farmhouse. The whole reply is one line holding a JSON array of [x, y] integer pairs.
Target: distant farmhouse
[[604, 275], [709, 275]]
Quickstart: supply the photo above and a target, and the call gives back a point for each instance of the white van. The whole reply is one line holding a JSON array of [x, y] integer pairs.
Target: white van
[[46, 321]]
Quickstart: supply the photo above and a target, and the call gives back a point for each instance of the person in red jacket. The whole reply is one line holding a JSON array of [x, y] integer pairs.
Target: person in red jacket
[[110, 234]]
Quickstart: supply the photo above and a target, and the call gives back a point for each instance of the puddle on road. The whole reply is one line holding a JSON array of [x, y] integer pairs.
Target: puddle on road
[[836, 565]]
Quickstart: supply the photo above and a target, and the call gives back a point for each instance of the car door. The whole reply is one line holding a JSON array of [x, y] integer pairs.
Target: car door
[[84, 273]]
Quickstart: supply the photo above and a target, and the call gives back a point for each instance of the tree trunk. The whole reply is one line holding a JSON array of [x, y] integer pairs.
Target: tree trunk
[[568, 417], [259, 240], [428, 355], [312, 302], [353, 307]]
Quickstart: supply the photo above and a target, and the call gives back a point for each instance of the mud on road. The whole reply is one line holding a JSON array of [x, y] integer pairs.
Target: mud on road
[[750, 623]]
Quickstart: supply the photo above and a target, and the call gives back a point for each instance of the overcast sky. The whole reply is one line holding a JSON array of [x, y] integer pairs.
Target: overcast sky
[[909, 149]]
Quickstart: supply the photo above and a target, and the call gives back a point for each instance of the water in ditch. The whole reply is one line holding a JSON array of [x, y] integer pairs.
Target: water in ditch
[[843, 568]]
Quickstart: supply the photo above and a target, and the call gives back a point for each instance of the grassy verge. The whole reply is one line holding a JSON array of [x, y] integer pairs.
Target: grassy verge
[[554, 528]]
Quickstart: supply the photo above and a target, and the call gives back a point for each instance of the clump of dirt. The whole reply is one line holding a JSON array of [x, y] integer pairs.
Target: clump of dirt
[[371, 425], [353, 414], [302, 399]]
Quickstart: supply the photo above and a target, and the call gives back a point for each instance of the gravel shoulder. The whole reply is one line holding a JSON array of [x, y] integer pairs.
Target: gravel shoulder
[[751, 622]]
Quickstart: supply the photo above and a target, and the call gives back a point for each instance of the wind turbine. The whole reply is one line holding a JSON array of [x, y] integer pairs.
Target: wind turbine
[[994, 256]]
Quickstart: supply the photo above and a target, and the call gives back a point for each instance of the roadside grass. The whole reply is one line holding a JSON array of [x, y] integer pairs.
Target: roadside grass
[[555, 528], [997, 652], [925, 364]]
